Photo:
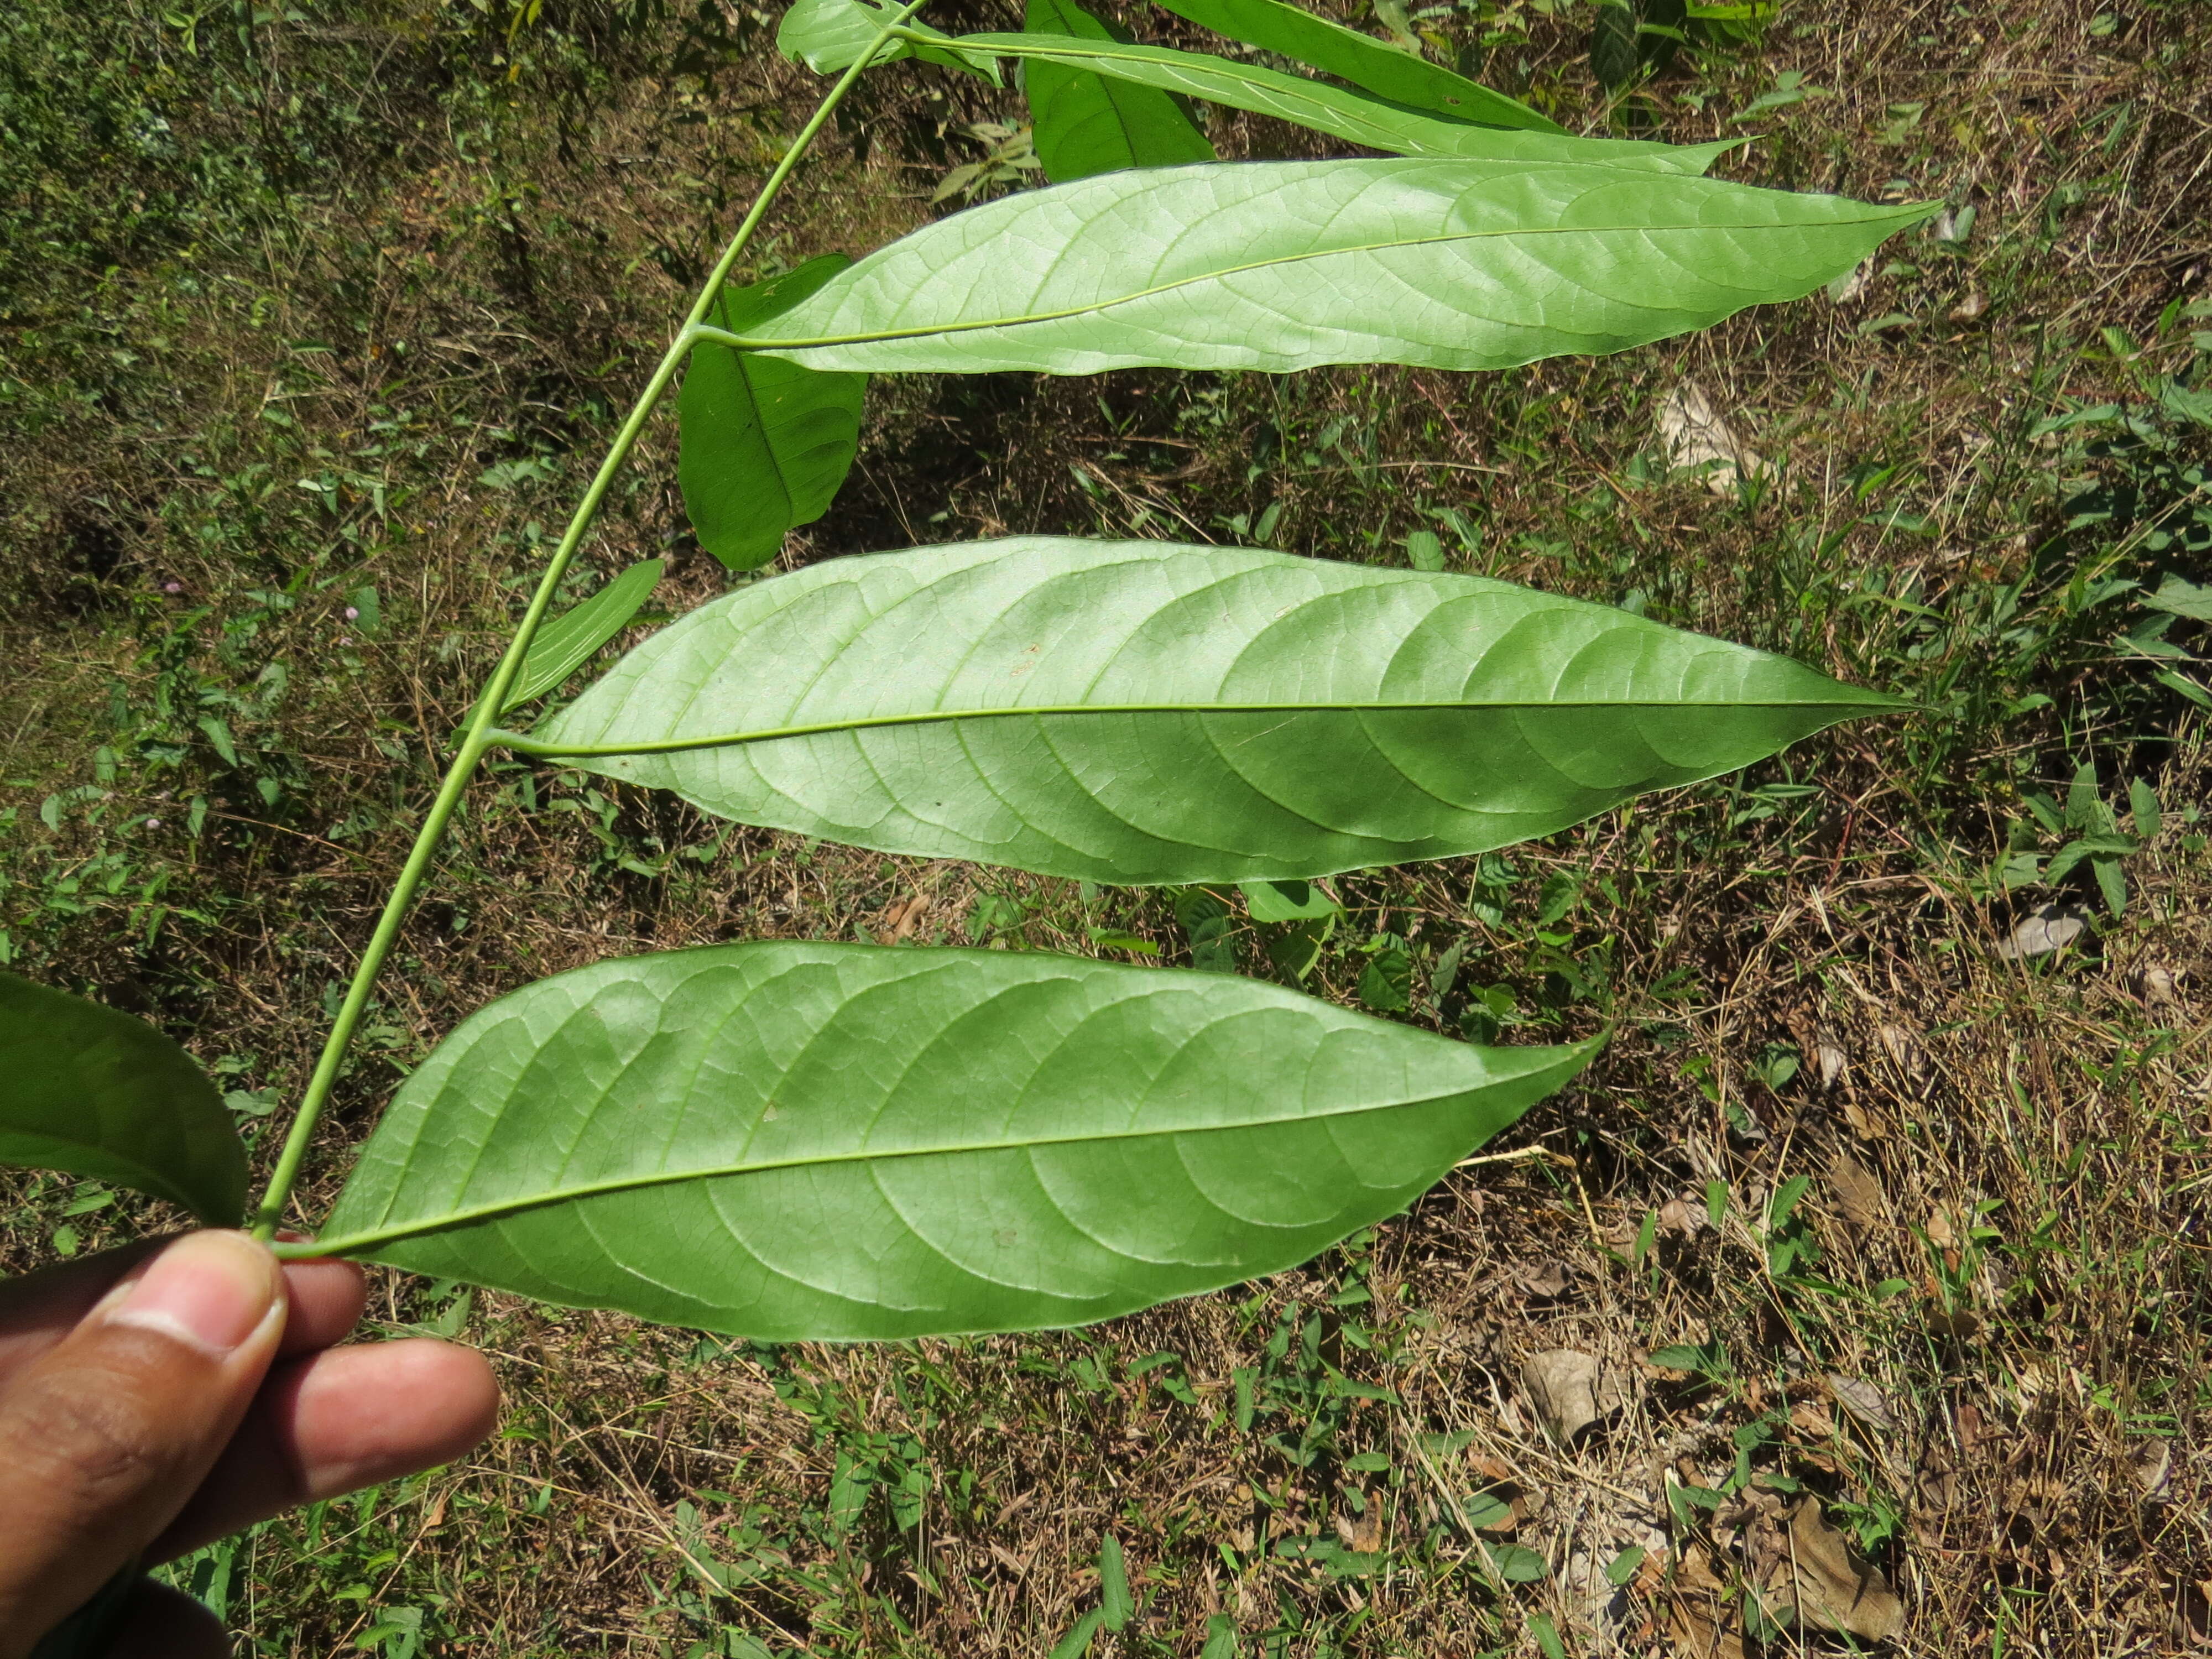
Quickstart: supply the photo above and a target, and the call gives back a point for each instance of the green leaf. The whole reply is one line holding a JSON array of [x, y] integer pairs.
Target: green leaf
[[766, 443], [1084, 123], [1077, 1642], [1282, 265], [566, 643], [2143, 804], [829, 37], [1142, 713], [90, 1091], [1361, 59], [1287, 900], [2182, 597], [786, 1139], [1516, 1564], [1220, 1637], [1351, 116], [1115, 1602], [1622, 1567]]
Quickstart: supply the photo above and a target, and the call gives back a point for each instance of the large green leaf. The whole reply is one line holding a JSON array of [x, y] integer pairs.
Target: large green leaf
[[1342, 113], [1286, 265], [785, 1140], [766, 443], [828, 36], [93, 1092], [1084, 123], [1141, 712], [1361, 59]]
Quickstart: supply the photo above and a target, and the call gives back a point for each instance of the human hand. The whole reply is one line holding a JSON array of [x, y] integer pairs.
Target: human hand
[[159, 1396]]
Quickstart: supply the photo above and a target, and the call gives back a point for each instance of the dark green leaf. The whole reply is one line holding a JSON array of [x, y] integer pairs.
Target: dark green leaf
[[1137, 711], [93, 1092], [1613, 44], [566, 643], [1077, 1642], [1622, 1568], [1337, 111], [1220, 1637], [1084, 123], [784, 1140], [1281, 265], [2182, 597], [766, 442], [1287, 900], [1384, 71], [2142, 803], [1515, 1564], [1115, 1602]]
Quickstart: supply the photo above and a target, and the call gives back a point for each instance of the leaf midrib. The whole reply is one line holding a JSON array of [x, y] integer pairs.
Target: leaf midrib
[[521, 743], [743, 342], [370, 1238]]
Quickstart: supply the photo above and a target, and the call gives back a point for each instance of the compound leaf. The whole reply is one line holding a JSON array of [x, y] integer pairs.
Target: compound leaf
[[765, 443], [90, 1091], [1141, 712], [1351, 116], [785, 1140], [1446, 263], [1385, 71], [1084, 123]]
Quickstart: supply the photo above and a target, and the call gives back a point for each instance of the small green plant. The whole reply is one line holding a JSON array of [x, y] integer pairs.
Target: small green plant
[[792, 1139]]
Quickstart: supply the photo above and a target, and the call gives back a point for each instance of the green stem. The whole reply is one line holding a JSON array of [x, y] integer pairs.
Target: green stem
[[475, 739]]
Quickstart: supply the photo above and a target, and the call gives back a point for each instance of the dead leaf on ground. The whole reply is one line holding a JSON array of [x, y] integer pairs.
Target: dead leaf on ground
[[1858, 1194], [1363, 1533], [1829, 1063], [1694, 435], [2158, 990], [2154, 1468], [1822, 1583], [1863, 1401], [2045, 928], [1683, 1216], [1852, 283], [1547, 1279], [1942, 1230], [1569, 1390], [1975, 303], [1702, 1629]]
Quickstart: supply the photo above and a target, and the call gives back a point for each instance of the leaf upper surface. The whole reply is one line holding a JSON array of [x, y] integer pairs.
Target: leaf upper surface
[[785, 1140], [765, 442], [1353, 115], [1447, 264], [1085, 123], [94, 1092], [1330, 47], [1142, 712]]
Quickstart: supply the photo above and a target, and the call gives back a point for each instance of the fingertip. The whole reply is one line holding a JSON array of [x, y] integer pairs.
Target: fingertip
[[158, 1623], [327, 1296]]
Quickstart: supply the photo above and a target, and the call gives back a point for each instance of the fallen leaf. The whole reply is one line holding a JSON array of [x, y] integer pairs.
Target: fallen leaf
[[2158, 990], [1903, 1050], [1822, 1583], [1546, 1279], [1861, 1126], [1941, 1233], [1683, 1216], [1702, 1631], [1692, 435], [1812, 1420], [1863, 1401], [2045, 928], [1852, 283], [1971, 306], [1830, 1062], [1568, 1391], [2154, 1468], [1362, 1533], [1858, 1194]]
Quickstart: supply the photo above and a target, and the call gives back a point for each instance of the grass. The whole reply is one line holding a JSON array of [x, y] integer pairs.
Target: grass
[[331, 313]]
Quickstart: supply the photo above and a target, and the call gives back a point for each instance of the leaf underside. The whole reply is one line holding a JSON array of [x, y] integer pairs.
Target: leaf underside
[[1458, 265], [1351, 116], [829, 35], [1082, 122], [1138, 712], [791, 1140], [765, 442], [93, 1092], [1399, 77]]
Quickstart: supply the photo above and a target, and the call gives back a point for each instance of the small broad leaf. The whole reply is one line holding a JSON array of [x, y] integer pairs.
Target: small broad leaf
[[1287, 900], [828, 36], [1140, 712], [766, 443], [1384, 71], [1084, 123], [786, 1139], [1342, 113], [2182, 597], [1282, 265], [90, 1091], [566, 643], [1115, 1604]]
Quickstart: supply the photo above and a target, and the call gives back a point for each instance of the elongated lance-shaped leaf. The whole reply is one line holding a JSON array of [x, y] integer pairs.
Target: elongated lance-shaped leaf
[[1292, 265], [1141, 712], [766, 443], [828, 36], [790, 1141], [1082, 122], [1361, 59], [566, 643], [90, 1091], [1338, 111]]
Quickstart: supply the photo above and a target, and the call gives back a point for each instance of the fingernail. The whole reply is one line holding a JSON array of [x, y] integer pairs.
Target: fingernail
[[211, 1290]]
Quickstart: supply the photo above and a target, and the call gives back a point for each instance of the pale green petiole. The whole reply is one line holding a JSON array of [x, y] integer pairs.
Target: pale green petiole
[[478, 737]]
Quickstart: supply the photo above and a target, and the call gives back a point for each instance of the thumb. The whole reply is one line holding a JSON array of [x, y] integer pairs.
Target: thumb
[[104, 1437]]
